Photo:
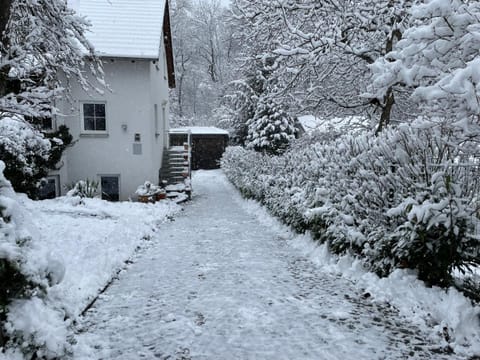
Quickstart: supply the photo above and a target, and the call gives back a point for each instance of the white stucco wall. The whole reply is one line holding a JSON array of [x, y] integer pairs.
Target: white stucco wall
[[136, 85]]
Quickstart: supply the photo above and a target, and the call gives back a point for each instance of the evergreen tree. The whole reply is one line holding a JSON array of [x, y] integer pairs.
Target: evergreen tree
[[271, 129], [242, 100]]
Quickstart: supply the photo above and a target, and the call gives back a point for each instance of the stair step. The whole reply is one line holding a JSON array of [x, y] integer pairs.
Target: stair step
[[174, 165]]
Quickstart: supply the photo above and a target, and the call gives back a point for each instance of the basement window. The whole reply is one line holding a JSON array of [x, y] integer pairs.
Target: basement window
[[110, 187]]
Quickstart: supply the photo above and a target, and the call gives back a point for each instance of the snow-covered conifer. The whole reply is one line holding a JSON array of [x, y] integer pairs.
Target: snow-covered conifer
[[271, 128]]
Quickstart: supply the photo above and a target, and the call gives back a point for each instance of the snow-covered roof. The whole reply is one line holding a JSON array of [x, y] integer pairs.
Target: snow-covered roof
[[199, 130], [124, 28]]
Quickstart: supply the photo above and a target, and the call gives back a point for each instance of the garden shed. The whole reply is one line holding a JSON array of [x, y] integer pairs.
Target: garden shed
[[207, 144]]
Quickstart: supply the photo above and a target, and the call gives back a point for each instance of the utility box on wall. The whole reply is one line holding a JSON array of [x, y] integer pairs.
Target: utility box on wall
[[207, 145]]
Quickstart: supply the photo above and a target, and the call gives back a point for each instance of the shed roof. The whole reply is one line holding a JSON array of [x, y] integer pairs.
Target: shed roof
[[199, 130], [124, 28]]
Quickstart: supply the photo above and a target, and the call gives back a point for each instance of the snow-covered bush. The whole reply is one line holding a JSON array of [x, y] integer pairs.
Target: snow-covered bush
[[271, 129], [29, 154], [400, 199], [24, 150], [29, 326], [407, 203], [148, 189], [84, 189]]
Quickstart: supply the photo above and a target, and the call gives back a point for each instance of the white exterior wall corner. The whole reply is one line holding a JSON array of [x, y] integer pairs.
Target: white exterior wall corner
[[135, 88], [159, 97]]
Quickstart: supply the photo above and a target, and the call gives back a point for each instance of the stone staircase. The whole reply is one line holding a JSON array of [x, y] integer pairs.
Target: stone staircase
[[176, 170]]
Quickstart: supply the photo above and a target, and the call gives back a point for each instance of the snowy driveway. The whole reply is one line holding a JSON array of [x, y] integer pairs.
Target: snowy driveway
[[220, 284]]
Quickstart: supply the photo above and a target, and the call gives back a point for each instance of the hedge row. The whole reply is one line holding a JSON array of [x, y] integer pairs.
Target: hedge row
[[404, 199]]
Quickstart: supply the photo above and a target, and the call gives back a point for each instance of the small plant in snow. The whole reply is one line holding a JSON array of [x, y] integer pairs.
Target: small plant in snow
[[84, 189]]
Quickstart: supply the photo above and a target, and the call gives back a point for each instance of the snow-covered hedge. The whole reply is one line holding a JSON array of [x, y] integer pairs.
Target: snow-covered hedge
[[398, 200], [30, 325]]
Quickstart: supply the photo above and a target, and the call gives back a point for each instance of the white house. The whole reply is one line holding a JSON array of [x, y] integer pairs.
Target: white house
[[120, 135]]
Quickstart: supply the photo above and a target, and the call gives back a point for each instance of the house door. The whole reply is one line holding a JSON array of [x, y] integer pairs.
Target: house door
[[110, 188]]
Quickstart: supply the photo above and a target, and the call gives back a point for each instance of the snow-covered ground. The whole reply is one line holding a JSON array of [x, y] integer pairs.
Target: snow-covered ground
[[93, 240], [227, 281]]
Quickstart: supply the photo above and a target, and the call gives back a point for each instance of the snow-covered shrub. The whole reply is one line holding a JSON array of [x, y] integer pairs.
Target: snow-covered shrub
[[29, 326], [237, 163], [396, 176], [84, 189], [29, 154], [271, 129], [148, 189], [24, 150], [364, 194], [438, 233], [151, 193]]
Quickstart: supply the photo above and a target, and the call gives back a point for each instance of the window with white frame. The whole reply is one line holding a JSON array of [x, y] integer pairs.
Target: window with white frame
[[94, 117]]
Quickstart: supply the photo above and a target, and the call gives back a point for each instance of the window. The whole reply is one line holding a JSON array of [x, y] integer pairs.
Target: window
[[94, 117], [110, 188], [49, 188]]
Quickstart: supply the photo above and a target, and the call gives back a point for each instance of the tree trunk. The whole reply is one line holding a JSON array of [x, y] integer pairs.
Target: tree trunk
[[5, 6], [180, 95], [212, 65], [4, 16], [389, 100]]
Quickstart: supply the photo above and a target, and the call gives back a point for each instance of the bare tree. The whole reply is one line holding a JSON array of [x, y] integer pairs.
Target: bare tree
[[205, 52], [438, 58], [324, 50], [39, 39]]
